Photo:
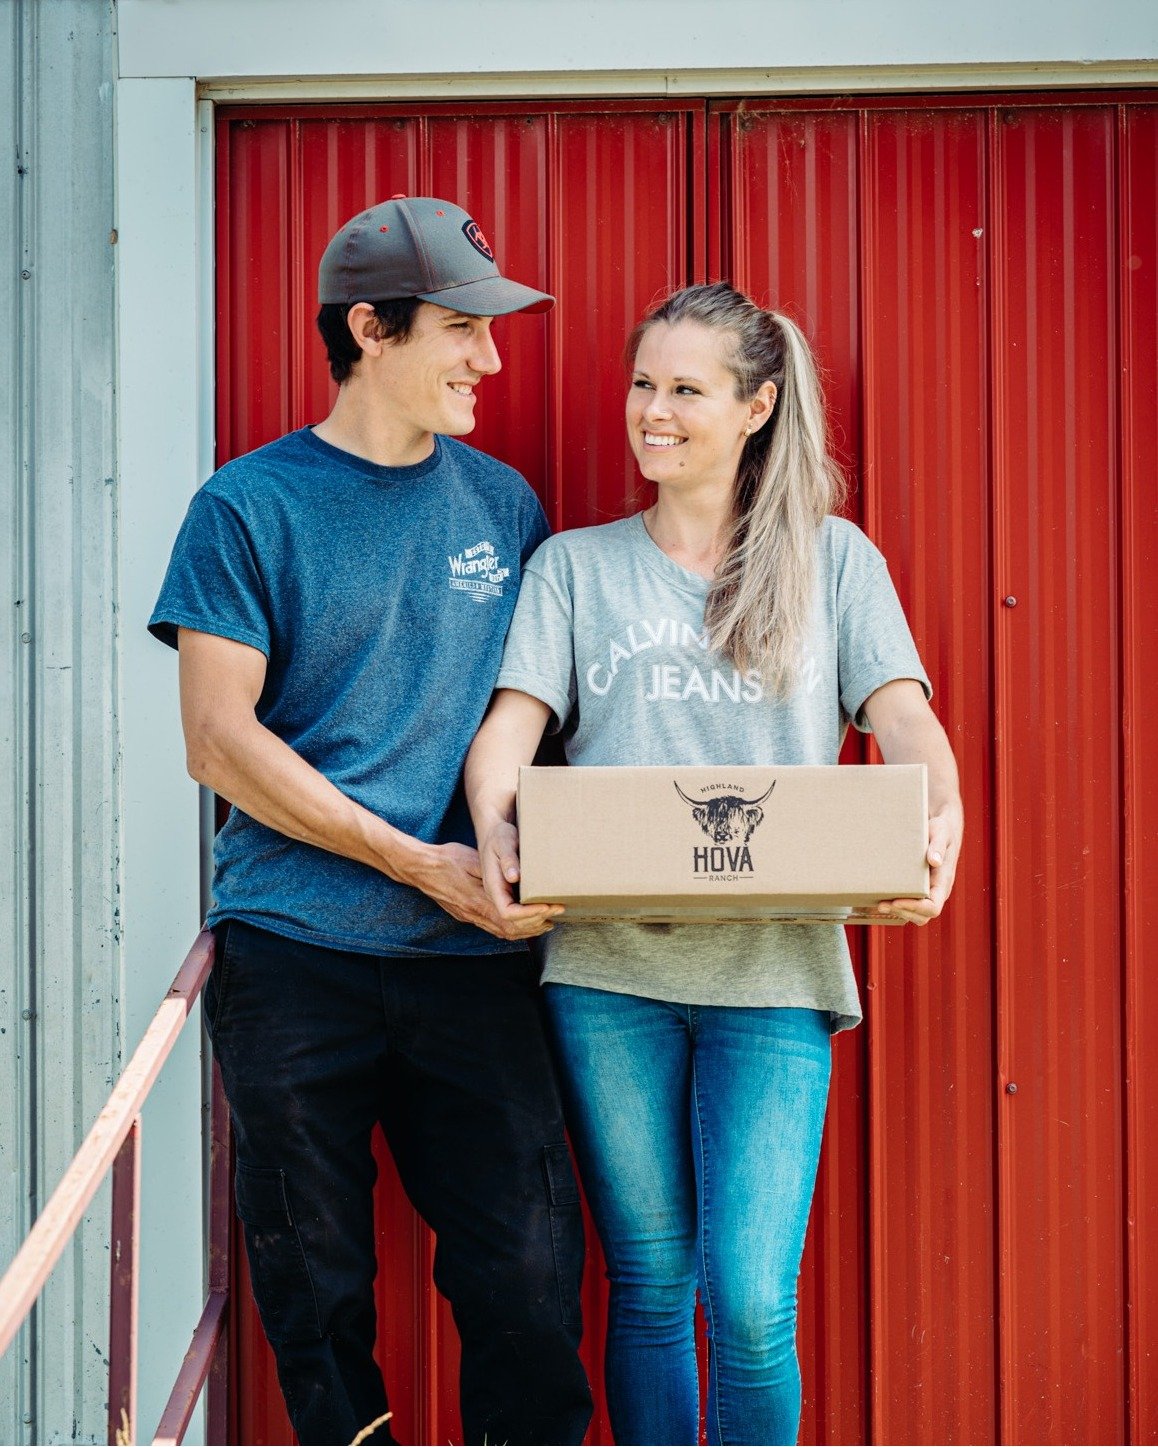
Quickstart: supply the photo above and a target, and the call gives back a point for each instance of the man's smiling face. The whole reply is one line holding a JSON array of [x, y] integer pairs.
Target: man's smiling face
[[428, 380]]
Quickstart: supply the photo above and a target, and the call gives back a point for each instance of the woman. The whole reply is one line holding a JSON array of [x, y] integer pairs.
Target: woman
[[735, 621]]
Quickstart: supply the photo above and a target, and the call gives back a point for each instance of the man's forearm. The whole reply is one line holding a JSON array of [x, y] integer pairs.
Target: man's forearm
[[259, 773]]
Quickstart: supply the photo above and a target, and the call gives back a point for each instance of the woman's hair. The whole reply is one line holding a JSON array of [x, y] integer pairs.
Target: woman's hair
[[395, 320], [760, 604]]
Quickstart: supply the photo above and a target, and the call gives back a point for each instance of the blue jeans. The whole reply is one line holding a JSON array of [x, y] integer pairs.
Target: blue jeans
[[697, 1130]]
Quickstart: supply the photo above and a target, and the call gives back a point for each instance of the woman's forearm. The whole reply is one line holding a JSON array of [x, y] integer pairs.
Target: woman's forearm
[[907, 732], [508, 738], [918, 738]]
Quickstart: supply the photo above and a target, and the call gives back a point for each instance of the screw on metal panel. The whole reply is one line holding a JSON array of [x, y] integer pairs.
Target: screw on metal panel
[[25, 275], [26, 638], [1011, 1088], [26, 1014], [1010, 601]]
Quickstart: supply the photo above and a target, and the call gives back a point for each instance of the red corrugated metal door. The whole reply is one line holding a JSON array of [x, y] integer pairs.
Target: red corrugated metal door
[[979, 278]]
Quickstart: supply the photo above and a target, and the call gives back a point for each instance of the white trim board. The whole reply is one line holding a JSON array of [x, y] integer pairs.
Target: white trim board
[[608, 84], [158, 219]]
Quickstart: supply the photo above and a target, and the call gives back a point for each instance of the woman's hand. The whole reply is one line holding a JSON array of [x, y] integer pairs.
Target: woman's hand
[[509, 735], [945, 831], [499, 859], [499, 856]]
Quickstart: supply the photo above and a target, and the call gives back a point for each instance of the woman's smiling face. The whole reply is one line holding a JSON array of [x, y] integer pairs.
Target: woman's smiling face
[[685, 423]]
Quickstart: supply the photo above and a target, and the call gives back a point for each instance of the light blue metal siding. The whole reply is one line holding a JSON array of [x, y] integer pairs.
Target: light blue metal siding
[[59, 925]]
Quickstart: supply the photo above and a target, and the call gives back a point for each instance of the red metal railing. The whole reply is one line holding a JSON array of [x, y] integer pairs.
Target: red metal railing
[[114, 1142]]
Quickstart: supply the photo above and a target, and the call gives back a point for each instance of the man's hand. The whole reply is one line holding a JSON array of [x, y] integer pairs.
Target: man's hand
[[456, 878], [945, 831]]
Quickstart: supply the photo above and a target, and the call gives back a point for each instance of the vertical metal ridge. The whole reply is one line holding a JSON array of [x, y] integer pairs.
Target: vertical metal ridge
[[718, 199], [1137, 135], [1002, 763], [868, 500], [993, 1082], [1126, 580], [555, 360], [298, 290], [25, 1401], [223, 379], [697, 168]]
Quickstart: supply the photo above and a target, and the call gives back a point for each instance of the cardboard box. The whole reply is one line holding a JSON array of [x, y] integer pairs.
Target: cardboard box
[[667, 845]]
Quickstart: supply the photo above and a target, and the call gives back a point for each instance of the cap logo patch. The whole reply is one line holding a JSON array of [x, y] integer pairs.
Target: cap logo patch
[[473, 233]]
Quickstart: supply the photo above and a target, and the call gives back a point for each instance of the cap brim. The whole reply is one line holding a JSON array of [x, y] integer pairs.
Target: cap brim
[[493, 296]]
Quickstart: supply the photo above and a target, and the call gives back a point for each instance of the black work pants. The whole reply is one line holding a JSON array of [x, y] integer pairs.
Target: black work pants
[[316, 1046]]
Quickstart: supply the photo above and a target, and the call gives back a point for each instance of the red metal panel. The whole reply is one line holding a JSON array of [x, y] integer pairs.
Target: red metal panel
[[619, 199], [789, 238], [959, 368], [926, 484], [791, 241], [1139, 601], [259, 1410], [254, 321], [1058, 802], [417, 1344], [496, 167], [336, 169]]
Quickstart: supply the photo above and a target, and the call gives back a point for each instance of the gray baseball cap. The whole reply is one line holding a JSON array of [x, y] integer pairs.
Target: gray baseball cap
[[426, 248]]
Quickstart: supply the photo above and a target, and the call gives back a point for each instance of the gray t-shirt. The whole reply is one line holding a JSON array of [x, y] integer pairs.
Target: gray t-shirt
[[609, 633]]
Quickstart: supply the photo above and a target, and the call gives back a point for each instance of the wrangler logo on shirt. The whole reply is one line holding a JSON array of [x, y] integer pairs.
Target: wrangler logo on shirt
[[478, 571]]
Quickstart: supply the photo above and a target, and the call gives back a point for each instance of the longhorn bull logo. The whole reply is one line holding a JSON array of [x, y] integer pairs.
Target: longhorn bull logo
[[727, 819]]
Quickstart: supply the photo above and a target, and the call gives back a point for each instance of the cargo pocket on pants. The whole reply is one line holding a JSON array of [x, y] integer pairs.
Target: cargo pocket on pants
[[282, 1286], [566, 1229]]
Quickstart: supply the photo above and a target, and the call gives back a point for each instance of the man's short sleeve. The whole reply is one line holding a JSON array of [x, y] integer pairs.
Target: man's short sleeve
[[535, 527], [539, 657], [213, 583], [874, 644]]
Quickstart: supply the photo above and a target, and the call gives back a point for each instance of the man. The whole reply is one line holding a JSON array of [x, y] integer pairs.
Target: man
[[340, 599]]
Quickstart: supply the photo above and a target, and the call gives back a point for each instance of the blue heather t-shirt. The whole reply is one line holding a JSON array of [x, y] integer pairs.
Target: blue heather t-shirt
[[381, 598]]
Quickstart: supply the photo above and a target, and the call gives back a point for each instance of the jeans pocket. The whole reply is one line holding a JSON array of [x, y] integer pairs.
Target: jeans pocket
[[566, 1229], [282, 1286]]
